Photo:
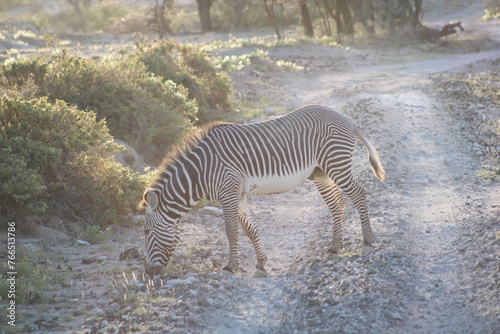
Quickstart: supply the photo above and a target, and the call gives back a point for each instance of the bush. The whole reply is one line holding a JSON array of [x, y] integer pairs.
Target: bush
[[147, 112], [103, 15], [58, 159], [55, 110], [190, 68], [38, 277]]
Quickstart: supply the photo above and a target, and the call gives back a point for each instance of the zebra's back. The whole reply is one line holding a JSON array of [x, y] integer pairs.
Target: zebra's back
[[280, 154]]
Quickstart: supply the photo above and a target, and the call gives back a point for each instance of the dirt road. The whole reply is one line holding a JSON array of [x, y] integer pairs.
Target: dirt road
[[433, 268], [424, 276]]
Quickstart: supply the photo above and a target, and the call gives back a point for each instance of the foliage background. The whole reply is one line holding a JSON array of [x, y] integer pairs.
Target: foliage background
[[60, 113]]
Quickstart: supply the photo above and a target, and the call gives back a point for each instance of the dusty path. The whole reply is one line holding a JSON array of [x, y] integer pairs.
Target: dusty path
[[421, 278], [431, 189]]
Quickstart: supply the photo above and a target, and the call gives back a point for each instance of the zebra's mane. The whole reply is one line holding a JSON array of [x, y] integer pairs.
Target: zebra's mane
[[187, 145]]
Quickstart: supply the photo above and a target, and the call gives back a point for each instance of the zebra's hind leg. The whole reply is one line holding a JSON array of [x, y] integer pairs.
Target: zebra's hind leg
[[358, 196], [336, 204], [251, 231]]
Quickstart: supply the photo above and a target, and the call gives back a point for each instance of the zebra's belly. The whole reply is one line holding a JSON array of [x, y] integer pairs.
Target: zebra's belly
[[277, 183]]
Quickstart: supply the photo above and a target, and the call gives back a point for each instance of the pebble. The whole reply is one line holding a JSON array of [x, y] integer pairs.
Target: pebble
[[211, 210], [495, 242], [89, 260], [187, 281], [98, 313], [344, 284], [489, 258], [395, 316], [131, 253]]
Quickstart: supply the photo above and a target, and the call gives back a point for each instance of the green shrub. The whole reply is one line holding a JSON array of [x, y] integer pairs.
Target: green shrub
[[55, 110], [58, 159], [94, 235], [147, 112], [251, 15], [105, 14], [37, 276], [190, 68]]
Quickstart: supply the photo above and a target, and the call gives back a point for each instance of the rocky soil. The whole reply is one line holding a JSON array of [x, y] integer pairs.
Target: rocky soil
[[436, 268]]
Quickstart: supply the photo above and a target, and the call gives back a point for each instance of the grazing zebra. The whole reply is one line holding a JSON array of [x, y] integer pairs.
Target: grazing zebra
[[226, 162]]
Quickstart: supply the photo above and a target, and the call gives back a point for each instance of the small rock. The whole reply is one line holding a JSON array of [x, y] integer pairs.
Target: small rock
[[137, 285], [479, 264], [396, 316], [344, 285], [489, 258], [205, 301], [82, 243], [210, 210], [192, 320], [132, 253], [495, 242], [269, 110], [313, 302], [31, 247], [98, 313], [177, 281], [89, 260]]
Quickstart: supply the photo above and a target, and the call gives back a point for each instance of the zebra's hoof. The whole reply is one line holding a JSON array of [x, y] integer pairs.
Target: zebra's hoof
[[334, 250], [230, 269], [367, 248], [259, 273]]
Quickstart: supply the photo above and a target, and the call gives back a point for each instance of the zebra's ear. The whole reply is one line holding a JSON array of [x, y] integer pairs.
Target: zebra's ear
[[151, 198]]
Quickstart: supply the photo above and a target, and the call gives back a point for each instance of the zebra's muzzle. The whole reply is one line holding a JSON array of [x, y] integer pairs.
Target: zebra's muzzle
[[153, 270]]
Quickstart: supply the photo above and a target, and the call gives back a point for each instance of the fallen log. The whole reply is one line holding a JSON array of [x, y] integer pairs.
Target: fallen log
[[426, 34]]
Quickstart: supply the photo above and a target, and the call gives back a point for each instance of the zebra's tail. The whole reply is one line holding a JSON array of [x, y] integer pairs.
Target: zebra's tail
[[373, 157]]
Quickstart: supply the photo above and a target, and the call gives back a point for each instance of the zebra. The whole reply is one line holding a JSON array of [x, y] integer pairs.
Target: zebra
[[226, 162]]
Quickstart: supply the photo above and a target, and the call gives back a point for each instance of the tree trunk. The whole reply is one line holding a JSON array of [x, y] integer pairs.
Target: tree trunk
[[160, 10], [272, 17], [347, 24], [204, 13], [416, 13], [80, 14], [306, 18]]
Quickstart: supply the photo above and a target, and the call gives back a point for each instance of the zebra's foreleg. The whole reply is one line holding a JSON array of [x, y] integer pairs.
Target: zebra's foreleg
[[251, 231], [336, 204], [231, 221]]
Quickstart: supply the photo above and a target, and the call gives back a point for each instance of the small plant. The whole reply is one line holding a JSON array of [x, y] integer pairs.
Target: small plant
[[492, 11], [36, 276], [289, 66], [134, 289], [94, 234]]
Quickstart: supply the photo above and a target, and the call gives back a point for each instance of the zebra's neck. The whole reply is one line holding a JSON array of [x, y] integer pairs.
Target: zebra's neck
[[179, 185]]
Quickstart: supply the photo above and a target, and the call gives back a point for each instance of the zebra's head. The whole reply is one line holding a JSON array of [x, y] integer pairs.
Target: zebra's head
[[160, 234]]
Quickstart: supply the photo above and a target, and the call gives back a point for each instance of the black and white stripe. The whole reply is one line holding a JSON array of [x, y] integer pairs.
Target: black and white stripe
[[227, 162]]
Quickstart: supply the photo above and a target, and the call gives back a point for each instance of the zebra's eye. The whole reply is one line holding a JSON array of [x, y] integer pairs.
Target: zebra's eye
[[146, 231]]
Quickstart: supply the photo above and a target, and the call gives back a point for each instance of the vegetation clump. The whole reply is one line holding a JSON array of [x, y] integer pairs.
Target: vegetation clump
[[57, 159], [60, 113], [38, 278], [190, 68], [141, 109]]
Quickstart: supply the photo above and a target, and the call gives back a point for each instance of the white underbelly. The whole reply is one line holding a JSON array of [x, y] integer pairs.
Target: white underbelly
[[277, 183]]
